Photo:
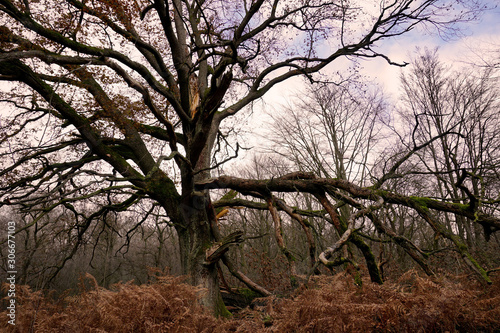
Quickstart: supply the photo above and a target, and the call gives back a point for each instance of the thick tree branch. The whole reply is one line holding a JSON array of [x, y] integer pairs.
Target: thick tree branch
[[320, 185]]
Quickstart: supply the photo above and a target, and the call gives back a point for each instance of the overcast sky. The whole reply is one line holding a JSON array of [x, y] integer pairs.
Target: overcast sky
[[480, 39]]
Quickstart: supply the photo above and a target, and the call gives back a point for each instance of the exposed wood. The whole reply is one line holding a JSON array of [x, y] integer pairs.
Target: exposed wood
[[215, 252]]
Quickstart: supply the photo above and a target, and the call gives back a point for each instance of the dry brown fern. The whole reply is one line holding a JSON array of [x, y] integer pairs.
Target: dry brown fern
[[328, 304]]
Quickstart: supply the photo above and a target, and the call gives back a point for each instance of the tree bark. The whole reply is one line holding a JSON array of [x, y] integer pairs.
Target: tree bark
[[195, 238]]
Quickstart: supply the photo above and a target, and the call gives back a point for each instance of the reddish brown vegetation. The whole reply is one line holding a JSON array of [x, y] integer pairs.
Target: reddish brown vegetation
[[167, 305], [328, 304]]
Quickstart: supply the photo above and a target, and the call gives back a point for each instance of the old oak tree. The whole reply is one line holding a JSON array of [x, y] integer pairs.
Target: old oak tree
[[127, 100]]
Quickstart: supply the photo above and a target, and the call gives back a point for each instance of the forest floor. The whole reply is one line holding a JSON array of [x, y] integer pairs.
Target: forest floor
[[411, 303]]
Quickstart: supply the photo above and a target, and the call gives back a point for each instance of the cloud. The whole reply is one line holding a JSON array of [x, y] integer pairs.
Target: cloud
[[478, 43]]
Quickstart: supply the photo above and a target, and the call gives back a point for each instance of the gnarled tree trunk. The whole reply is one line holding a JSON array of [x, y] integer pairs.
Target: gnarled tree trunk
[[195, 238]]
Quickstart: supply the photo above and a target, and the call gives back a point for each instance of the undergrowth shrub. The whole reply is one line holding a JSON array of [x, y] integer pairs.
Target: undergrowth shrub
[[168, 305], [271, 273], [410, 304], [327, 304]]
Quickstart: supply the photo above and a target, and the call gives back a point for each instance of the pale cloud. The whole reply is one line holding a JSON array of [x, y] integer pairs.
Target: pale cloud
[[478, 43]]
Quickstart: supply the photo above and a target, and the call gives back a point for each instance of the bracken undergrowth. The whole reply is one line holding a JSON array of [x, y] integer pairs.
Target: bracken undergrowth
[[327, 304]]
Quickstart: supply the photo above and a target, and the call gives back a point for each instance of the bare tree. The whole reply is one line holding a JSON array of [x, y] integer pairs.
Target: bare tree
[[119, 101], [461, 109], [313, 136], [332, 132]]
